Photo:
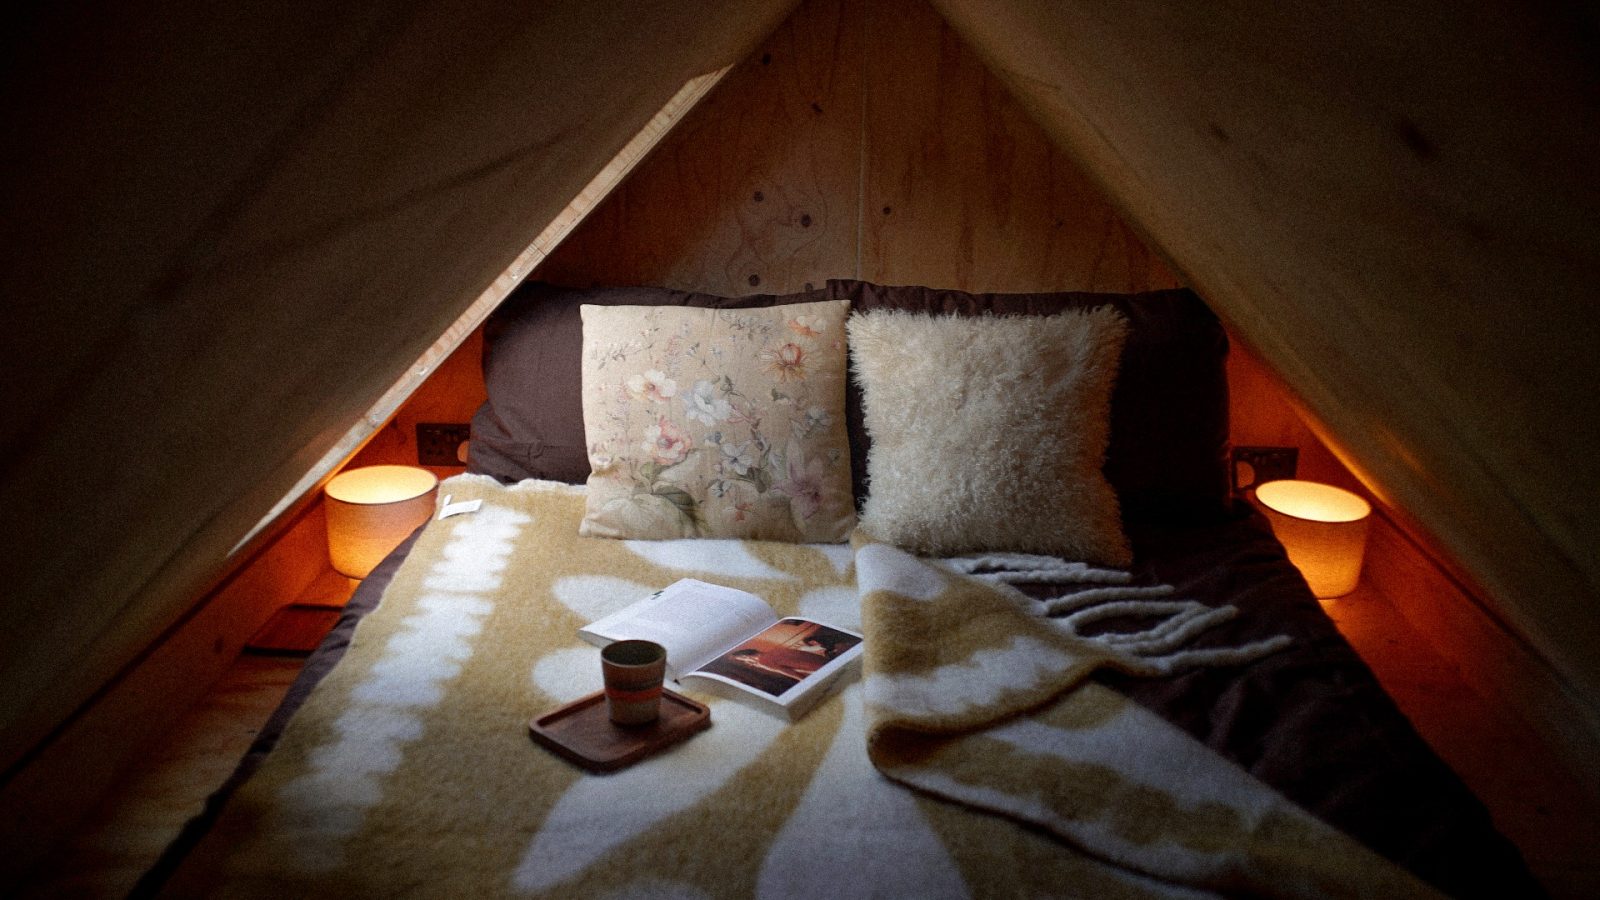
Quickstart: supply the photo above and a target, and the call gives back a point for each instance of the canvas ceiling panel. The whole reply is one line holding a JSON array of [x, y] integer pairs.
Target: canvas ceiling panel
[[241, 226], [1399, 207]]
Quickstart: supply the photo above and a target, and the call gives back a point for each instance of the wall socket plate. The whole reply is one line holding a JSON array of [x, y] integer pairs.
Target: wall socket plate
[[1255, 465], [442, 443]]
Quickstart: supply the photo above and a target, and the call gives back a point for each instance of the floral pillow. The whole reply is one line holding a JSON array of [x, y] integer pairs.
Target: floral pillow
[[724, 423]]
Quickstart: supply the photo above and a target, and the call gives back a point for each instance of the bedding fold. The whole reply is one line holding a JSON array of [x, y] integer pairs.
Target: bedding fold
[[975, 698]]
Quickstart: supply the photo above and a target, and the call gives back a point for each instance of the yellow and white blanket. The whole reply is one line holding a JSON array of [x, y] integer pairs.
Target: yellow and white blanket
[[409, 770], [973, 697]]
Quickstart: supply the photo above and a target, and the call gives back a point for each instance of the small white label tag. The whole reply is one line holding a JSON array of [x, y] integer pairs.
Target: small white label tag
[[448, 509]]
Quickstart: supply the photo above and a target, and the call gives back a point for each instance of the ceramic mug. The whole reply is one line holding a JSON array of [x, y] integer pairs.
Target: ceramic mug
[[633, 671]]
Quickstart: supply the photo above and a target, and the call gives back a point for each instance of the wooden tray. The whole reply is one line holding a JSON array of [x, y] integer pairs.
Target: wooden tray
[[582, 731]]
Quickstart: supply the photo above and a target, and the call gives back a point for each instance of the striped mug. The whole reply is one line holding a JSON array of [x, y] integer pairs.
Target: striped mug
[[633, 672]]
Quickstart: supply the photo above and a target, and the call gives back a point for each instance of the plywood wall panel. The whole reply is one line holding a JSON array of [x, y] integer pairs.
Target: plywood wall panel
[[1398, 209], [1262, 412], [781, 178], [450, 395], [242, 226], [755, 191], [963, 189]]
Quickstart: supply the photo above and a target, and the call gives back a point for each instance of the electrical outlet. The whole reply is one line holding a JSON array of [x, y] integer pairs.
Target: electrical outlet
[[1255, 465], [442, 444]]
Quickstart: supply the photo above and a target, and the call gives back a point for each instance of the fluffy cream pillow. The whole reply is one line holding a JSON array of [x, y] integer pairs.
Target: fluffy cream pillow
[[717, 422], [989, 433]]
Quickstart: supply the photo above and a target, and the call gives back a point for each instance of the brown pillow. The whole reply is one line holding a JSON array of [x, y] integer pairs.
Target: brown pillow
[[531, 425], [1168, 453]]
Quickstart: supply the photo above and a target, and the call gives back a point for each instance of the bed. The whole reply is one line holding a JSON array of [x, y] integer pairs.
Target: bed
[[1150, 706]]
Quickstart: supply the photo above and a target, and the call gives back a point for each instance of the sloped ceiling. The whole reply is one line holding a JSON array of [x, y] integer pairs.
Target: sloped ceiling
[[1399, 206], [228, 229]]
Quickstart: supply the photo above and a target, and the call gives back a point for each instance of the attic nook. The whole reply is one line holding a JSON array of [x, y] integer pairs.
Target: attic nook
[[250, 250]]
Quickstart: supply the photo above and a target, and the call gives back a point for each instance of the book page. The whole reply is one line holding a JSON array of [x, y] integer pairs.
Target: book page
[[781, 660], [693, 620]]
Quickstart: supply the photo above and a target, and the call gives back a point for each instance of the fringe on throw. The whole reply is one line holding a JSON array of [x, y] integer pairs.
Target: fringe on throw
[[1156, 649]]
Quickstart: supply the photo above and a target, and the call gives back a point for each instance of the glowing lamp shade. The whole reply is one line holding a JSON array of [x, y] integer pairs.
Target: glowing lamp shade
[[1324, 528], [371, 510]]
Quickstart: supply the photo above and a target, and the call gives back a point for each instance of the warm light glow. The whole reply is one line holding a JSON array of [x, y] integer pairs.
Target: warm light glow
[[371, 510], [1310, 500], [1323, 528]]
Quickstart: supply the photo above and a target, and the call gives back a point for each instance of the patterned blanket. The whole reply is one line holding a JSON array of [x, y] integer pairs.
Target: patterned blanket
[[409, 770], [975, 696]]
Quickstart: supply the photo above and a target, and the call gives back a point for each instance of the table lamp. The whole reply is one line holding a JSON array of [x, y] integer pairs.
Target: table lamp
[[1323, 528], [371, 510]]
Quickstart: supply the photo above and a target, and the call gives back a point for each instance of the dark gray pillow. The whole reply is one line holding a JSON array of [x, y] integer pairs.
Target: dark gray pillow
[[531, 426]]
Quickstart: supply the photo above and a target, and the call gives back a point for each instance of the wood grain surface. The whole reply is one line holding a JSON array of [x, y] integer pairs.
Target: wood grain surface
[[225, 269], [1399, 209], [757, 190], [962, 189], [863, 139], [242, 226]]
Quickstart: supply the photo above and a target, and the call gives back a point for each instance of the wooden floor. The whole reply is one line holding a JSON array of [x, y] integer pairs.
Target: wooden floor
[[125, 835], [1536, 806]]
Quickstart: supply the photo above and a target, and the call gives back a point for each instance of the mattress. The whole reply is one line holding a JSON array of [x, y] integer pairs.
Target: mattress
[[1310, 720]]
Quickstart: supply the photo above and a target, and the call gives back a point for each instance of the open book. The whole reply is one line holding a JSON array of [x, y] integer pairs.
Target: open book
[[730, 643]]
